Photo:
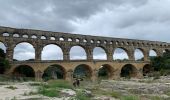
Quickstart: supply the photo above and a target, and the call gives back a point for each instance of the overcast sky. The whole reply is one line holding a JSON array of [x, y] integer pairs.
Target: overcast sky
[[136, 19]]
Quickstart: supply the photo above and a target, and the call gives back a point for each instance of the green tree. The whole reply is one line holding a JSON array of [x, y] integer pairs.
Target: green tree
[[4, 64]]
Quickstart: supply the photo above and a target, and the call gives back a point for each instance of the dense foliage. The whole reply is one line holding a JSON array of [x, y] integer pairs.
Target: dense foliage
[[4, 64], [161, 62]]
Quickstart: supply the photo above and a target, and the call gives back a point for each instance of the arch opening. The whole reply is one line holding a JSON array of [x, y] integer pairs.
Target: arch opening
[[138, 54], [78, 53], [120, 54], [52, 52], [3, 47], [99, 54], [128, 71], [24, 51], [24, 71], [105, 72], [152, 53], [54, 72], [146, 69], [82, 71]]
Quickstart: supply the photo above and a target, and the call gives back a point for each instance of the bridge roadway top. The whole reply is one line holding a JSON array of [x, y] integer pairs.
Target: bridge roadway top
[[62, 34]]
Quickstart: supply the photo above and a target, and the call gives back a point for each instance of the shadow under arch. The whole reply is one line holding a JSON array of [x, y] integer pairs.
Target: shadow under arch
[[54, 72], [105, 72], [128, 71], [24, 71], [82, 71], [147, 69]]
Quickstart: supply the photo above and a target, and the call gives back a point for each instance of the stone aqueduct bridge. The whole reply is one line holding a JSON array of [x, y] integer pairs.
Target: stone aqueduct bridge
[[12, 36]]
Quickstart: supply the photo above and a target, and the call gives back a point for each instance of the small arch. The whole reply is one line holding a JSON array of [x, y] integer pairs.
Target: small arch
[[111, 42], [5, 34], [61, 39], [78, 53], [24, 51], [128, 71], [105, 42], [99, 41], [105, 72], [77, 40], [25, 36], [52, 52], [43, 37], [24, 71], [147, 69], [139, 55], [52, 38], [70, 39], [82, 71], [54, 72], [33, 36], [120, 54], [15, 35], [84, 40], [99, 54], [91, 41]]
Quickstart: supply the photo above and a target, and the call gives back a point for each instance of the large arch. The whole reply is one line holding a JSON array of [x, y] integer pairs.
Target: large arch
[[138, 54], [24, 51], [152, 53], [129, 71], [54, 72], [147, 69], [2, 46], [99, 53], [120, 54], [24, 71], [105, 72], [82, 71], [78, 53], [52, 52]]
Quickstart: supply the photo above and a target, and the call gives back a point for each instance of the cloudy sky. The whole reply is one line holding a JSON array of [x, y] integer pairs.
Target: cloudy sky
[[136, 19]]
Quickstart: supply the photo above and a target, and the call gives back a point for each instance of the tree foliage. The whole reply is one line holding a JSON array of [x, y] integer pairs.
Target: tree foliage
[[161, 62], [4, 64]]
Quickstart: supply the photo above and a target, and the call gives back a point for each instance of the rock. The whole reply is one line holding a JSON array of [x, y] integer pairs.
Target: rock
[[67, 93], [102, 98], [88, 93]]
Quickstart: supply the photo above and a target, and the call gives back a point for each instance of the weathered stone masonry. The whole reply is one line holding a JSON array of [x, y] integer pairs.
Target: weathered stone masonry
[[13, 36]]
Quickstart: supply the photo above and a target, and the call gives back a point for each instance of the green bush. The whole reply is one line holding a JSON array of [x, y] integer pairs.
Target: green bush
[[115, 94], [49, 92]]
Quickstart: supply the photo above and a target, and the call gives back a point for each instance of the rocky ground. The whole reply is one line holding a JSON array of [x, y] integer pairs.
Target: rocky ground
[[141, 89]]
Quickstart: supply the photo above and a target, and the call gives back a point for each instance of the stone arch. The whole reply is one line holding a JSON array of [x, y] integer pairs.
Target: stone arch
[[146, 69], [129, 71], [82, 71], [120, 54], [24, 71], [78, 52], [52, 52], [16, 35], [6, 34], [105, 71], [54, 71], [3, 46], [99, 53], [153, 53], [24, 51], [139, 54]]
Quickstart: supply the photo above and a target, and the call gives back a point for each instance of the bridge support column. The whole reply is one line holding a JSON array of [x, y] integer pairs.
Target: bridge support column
[[9, 53], [94, 75], [116, 74], [139, 73], [89, 53], [69, 76], [131, 54], [38, 76], [38, 54]]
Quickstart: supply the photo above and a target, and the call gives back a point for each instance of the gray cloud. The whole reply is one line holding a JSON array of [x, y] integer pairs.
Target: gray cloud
[[144, 19]]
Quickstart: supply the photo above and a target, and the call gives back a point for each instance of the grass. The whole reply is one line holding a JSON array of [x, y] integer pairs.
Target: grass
[[11, 87], [115, 94], [81, 96], [52, 89], [131, 97]]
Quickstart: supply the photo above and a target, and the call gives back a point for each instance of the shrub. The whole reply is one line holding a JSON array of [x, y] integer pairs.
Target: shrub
[[11, 87], [115, 94], [81, 96]]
